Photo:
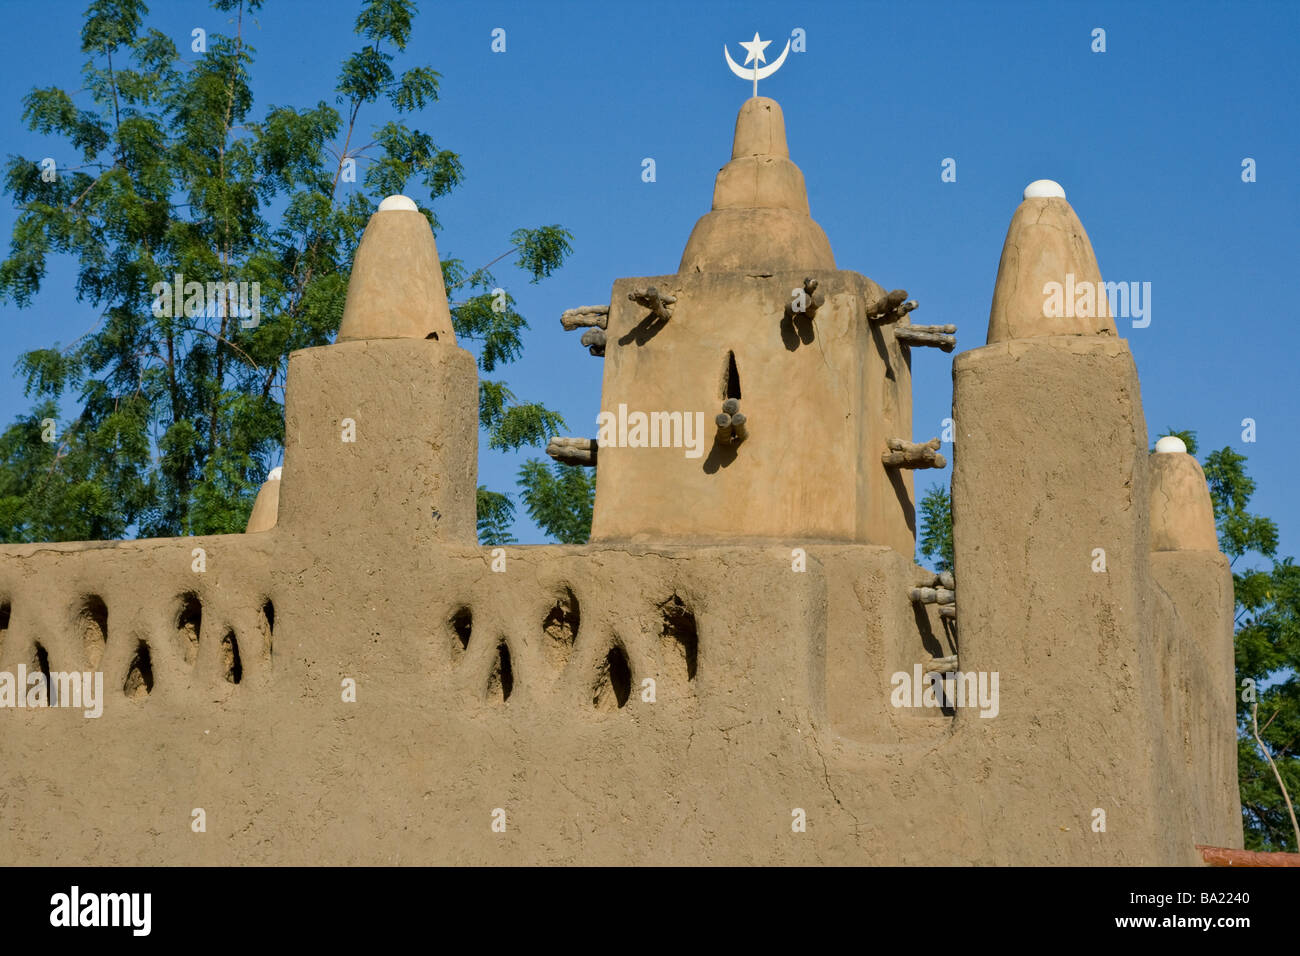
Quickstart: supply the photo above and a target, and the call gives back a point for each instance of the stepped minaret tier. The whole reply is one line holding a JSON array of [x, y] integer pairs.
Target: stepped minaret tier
[[760, 218], [759, 392]]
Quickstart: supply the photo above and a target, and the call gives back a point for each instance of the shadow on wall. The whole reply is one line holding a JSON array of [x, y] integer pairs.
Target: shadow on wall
[[89, 643], [611, 667]]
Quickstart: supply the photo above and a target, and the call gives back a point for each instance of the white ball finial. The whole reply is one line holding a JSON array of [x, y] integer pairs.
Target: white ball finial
[[1044, 189], [274, 475], [1171, 444], [404, 203]]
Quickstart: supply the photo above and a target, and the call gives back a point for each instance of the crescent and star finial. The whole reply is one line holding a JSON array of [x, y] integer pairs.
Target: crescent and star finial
[[755, 48]]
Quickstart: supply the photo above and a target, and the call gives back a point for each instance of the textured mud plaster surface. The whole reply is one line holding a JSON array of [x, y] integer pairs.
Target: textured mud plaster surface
[[266, 507], [1055, 424], [1182, 515], [1200, 682], [384, 303], [771, 686], [401, 458], [288, 772], [820, 392], [710, 772], [821, 395], [1045, 243]]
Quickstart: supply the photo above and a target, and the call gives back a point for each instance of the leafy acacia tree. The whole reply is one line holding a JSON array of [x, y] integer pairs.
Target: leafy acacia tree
[[166, 168], [1267, 640], [936, 528], [559, 499]]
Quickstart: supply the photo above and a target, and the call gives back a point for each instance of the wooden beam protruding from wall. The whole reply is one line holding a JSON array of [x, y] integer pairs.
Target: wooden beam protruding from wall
[[906, 454]]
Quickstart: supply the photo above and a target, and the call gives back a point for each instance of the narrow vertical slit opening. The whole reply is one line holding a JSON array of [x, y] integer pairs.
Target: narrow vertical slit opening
[[731, 378]]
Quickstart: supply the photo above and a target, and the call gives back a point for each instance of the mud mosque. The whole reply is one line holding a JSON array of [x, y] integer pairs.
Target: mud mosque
[[730, 671]]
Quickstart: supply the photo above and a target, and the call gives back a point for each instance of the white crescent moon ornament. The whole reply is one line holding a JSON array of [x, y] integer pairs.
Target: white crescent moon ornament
[[756, 73]]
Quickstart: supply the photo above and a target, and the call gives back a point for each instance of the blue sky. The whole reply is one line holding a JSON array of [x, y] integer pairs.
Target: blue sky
[[1147, 138]]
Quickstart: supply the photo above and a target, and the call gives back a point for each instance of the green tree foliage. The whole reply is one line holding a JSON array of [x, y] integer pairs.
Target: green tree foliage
[[496, 512], [166, 168], [559, 499], [936, 528]]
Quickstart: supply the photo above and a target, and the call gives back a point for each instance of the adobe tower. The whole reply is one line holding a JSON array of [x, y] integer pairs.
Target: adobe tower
[[794, 366]]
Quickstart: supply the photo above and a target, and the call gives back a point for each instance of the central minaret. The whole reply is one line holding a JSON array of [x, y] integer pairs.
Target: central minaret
[[760, 218], [759, 337]]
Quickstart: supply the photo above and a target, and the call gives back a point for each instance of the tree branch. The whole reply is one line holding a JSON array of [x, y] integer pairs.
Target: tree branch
[[1254, 720]]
